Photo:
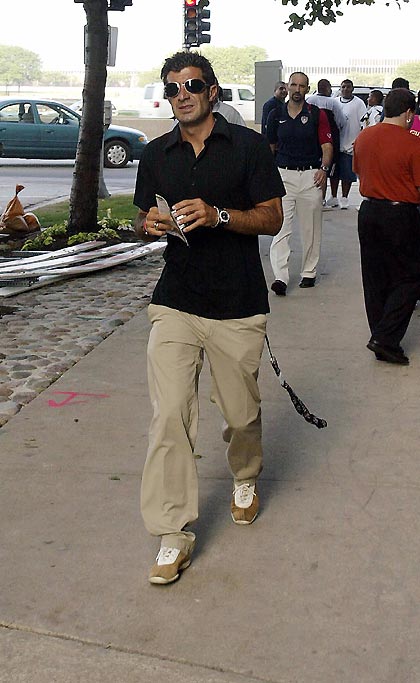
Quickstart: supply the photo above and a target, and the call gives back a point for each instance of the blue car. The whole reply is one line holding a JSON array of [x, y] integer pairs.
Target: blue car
[[41, 129]]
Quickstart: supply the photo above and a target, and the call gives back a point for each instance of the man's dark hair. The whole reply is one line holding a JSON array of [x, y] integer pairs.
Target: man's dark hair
[[299, 73], [182, 60], [398, 101], [378, 95], [323, 86], [347, 80], [400, 83]]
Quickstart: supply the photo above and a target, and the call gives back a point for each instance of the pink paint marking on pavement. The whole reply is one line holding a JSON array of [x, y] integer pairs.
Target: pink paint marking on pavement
[[70, 396]]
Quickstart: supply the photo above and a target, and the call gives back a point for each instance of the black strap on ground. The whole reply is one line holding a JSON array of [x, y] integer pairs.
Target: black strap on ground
[[298, 404]]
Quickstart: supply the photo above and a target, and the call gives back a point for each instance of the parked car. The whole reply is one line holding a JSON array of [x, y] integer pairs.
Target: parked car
[[238, 95], [42, 129]]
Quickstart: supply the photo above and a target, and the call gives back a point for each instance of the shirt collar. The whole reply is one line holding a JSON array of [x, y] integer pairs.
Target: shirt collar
[[220, 129]]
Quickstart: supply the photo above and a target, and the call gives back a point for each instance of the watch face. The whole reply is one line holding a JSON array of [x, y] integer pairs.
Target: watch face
[[224, 216]]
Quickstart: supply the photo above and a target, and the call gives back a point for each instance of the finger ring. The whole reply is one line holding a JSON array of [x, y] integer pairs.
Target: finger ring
[[156, 225]]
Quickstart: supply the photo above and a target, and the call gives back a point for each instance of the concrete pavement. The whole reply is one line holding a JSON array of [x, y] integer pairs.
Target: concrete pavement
[[322, 588]]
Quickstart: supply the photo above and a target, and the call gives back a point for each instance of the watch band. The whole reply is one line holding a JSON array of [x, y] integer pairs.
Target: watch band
[[217, 223]]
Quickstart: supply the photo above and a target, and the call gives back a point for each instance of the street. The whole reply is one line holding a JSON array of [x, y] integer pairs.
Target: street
[[48, 180]]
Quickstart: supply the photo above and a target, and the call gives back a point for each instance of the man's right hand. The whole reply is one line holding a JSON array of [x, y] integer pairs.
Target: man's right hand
[[151, 225]]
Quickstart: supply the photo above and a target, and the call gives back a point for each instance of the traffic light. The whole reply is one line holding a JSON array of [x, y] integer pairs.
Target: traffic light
[[195, 23], [203, 25]]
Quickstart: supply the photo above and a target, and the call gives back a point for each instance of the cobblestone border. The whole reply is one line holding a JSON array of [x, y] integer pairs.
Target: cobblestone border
[[51, 328]]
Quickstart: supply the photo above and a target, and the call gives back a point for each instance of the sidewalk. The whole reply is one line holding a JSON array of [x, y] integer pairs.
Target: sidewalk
[[322, 588]]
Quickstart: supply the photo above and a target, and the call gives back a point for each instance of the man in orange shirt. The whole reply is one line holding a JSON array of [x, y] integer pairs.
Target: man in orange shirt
[[387, 161]]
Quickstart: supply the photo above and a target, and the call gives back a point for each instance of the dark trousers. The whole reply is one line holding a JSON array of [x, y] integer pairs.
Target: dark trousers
[[390, 257]]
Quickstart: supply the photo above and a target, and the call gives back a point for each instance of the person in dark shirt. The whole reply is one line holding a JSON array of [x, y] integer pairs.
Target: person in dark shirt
[[224, 189], [279, 96], [300, 138]]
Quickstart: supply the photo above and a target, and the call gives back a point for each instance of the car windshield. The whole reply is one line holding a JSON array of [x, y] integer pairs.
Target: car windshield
[[245, 94]]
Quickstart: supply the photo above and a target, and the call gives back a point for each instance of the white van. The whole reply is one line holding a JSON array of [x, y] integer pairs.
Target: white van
[[361, 91], [238, 95]]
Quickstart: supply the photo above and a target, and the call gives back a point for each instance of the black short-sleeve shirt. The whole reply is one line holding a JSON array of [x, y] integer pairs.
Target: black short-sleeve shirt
[[219, 275]]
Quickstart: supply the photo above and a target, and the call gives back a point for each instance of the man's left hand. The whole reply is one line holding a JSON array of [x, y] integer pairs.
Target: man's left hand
[[195, 213]]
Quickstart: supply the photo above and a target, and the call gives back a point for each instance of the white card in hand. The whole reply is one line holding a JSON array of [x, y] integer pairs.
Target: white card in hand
[[164, 209]]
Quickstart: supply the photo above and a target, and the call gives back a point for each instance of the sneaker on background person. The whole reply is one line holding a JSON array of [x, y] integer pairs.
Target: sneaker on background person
[[332, 202]]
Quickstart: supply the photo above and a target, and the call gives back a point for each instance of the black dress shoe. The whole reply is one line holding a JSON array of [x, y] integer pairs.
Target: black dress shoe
[[279, 287], [307, 282], [391, 354]]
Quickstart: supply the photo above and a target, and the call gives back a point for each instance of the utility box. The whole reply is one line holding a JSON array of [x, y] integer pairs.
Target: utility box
[[112, 45], [107, 113], [266, 76]]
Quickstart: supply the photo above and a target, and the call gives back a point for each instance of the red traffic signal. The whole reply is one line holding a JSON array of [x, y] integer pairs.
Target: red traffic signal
[[194, 24]]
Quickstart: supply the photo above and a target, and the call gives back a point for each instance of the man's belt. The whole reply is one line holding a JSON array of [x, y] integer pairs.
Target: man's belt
[[374, 200], [292, 167]]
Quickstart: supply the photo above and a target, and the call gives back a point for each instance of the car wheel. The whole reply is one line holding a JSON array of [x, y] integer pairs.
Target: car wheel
[[117, 154]]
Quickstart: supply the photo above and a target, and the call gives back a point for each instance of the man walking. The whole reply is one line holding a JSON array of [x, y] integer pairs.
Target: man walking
[[322, 98], [300, 138], [387, 160], [336, 119], [354, 110], [279, 96], [224, 189]]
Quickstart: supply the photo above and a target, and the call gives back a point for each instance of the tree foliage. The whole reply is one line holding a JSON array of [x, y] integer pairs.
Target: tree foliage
[[363, 78], [325, 11], [410, 71], [235, 64], [61, 79], [18, 66]]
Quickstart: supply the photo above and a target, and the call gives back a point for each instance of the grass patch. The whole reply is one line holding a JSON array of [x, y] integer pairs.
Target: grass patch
[[121, 206]]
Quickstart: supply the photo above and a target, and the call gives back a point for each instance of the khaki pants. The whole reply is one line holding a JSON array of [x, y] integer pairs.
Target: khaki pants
[[169, 490], [303, 199]]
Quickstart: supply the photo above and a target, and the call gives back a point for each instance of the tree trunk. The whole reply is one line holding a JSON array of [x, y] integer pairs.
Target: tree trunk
[[84, 192]]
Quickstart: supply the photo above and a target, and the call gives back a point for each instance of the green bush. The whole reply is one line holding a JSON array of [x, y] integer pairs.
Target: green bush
[[102, 234], [107, 230], [46, 238]]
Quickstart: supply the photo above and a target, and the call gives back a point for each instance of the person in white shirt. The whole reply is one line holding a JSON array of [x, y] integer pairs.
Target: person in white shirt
[[336, 119], [323, 100], [374, 110], [230, 113], [354, 109]]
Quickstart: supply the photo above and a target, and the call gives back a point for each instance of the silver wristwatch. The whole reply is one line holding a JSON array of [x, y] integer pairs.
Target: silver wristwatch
[[223, 217]]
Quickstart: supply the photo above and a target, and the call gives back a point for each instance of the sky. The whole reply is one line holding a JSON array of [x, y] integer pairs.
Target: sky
[[151, 29]]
